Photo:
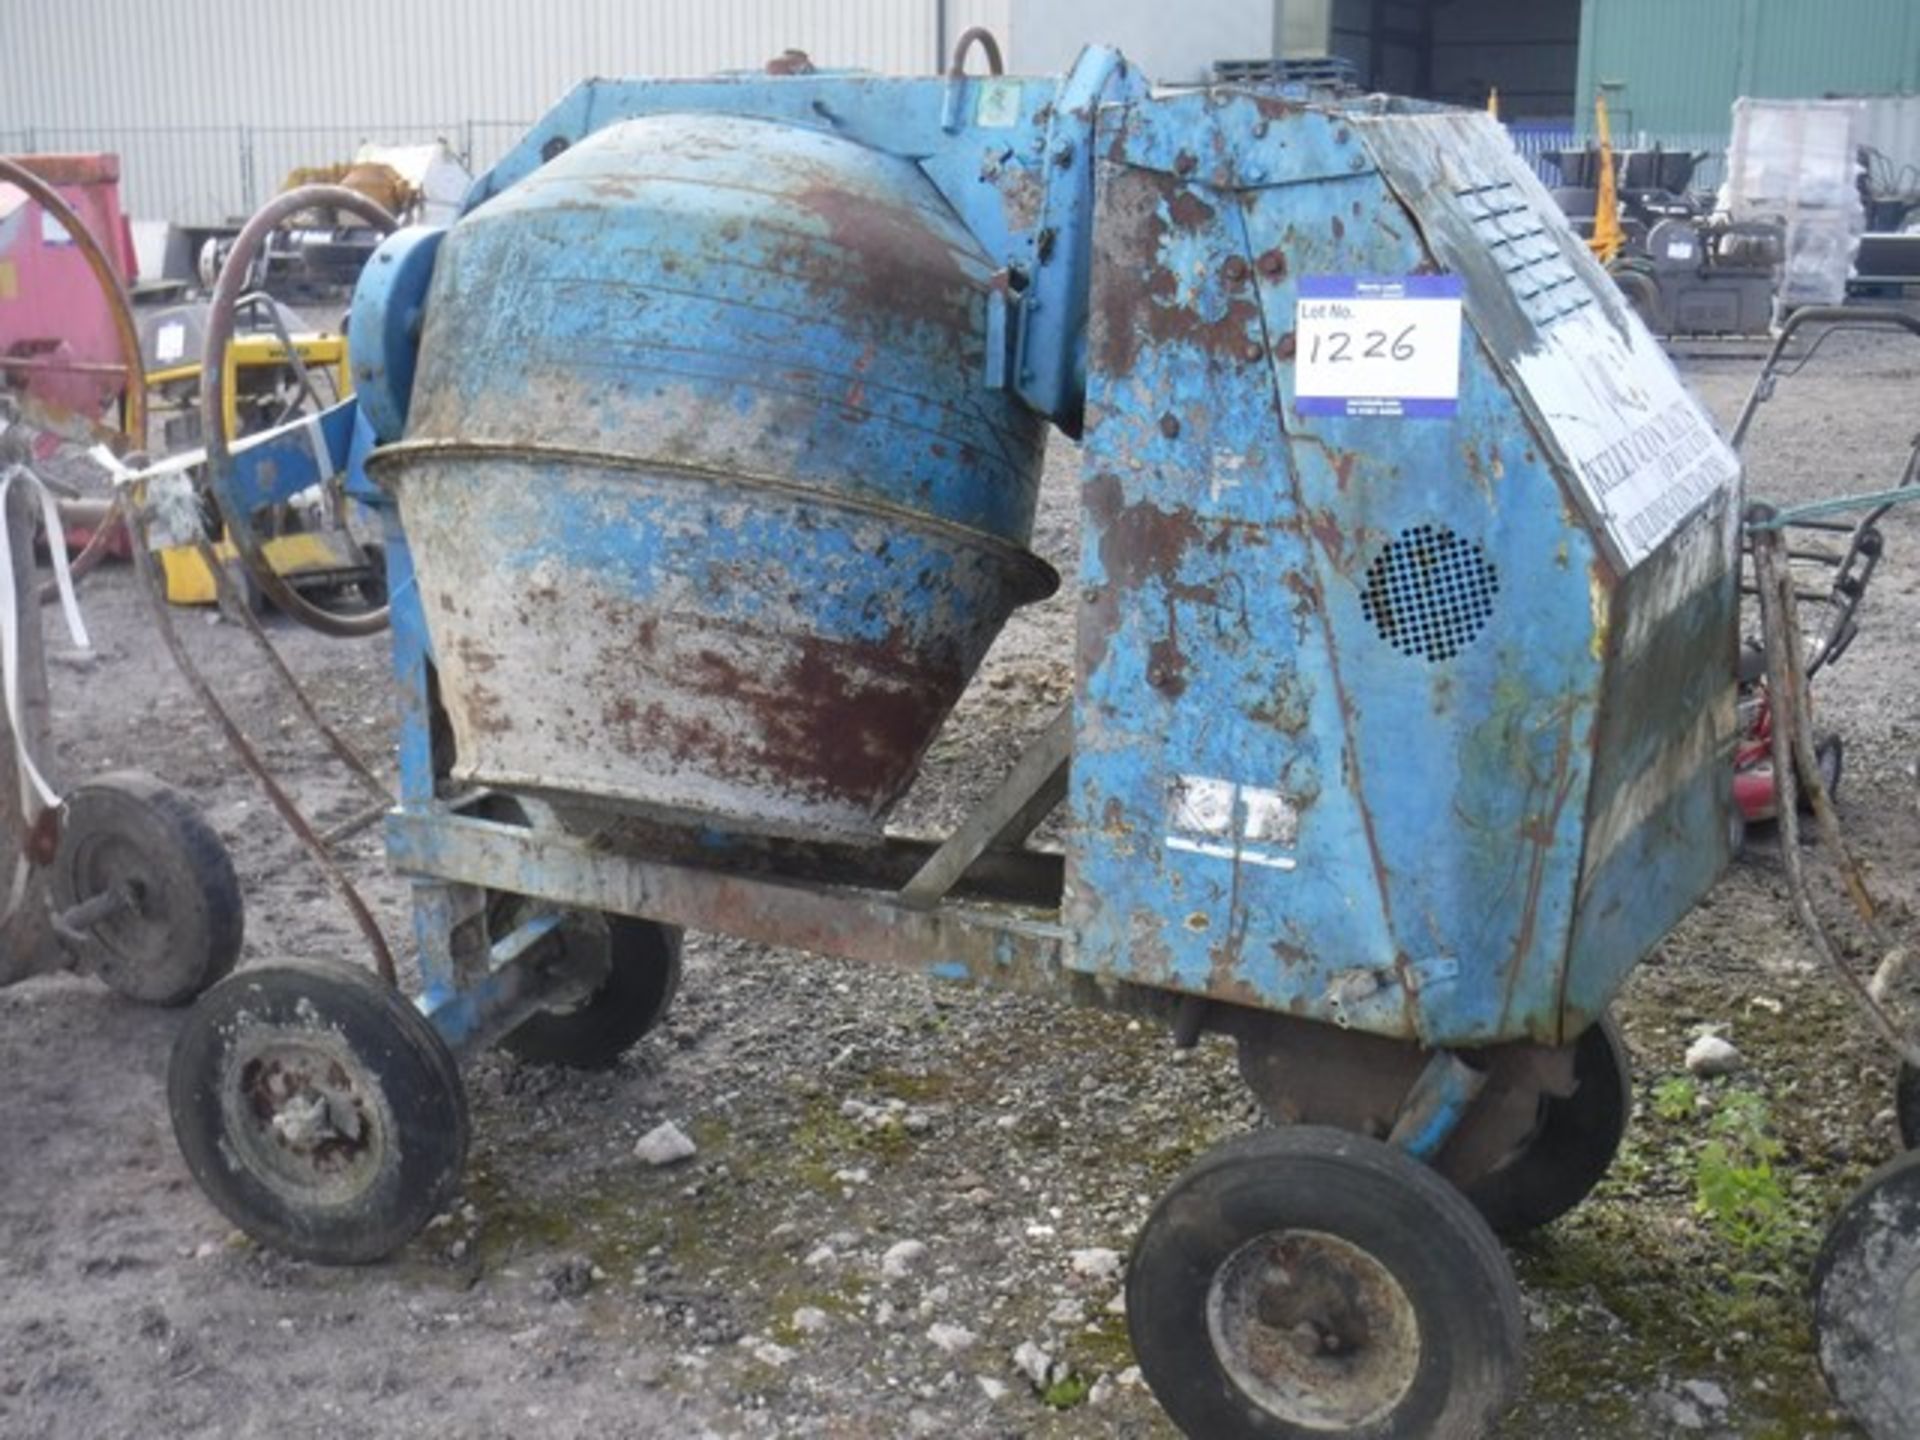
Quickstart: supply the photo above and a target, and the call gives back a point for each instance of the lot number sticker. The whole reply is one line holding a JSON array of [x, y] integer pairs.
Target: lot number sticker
[[1377, 345]]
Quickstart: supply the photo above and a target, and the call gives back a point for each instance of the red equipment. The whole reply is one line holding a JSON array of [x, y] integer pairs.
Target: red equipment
[[58, 342], [1832, 560]]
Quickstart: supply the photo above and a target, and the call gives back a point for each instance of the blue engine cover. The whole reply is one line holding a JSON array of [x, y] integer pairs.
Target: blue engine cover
[[1410, 714]]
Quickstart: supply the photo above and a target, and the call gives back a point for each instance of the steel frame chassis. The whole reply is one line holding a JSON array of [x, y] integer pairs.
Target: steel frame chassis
[[849, 903]]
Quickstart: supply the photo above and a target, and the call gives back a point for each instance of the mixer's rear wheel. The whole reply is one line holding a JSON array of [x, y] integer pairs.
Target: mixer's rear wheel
[[1306, 1282], [1572, 1147], [1866, 1302], [318, 1109], [643, 975]]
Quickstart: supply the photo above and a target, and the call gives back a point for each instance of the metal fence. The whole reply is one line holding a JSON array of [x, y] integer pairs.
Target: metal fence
[[1537, 142]]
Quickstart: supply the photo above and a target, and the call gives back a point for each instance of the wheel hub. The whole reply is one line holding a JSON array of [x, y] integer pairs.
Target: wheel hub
[[307, 1120], [136, 933], [1314, 1330]]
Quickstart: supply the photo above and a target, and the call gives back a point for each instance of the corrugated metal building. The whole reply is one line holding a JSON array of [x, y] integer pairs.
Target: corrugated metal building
[[210, 102], [1673, 68]]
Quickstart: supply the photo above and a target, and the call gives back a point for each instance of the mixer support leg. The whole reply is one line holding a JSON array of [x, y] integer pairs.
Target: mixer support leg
[[1437, 1103], [1035, 785]]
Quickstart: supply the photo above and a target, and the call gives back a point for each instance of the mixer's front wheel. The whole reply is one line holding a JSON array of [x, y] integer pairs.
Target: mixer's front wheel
[[643, 975], [1572, 1146], [1866, 1302], [1307, 1282], [318, 1109]]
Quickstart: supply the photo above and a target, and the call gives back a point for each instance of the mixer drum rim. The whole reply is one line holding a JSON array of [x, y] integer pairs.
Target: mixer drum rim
[[1030, 578]]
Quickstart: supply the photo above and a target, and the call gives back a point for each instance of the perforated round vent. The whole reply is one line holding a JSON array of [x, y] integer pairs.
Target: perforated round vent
[[1430, 592]]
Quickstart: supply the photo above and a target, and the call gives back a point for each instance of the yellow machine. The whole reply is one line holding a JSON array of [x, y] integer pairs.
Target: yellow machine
[[297, 555], [1607, 237]]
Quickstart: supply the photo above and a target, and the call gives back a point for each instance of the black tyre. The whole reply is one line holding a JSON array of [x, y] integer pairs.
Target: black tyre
[[1306, 1282], [643, 975], [1573, 1145], [1906, 1105], [319, 1110], [1866, 1302], [1643, 293], [180, 926]]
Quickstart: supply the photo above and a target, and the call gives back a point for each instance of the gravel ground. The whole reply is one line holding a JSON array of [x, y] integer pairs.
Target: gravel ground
[[899, 1188]]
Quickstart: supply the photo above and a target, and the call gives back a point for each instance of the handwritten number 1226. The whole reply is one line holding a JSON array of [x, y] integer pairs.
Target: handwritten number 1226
[[1373, 345]]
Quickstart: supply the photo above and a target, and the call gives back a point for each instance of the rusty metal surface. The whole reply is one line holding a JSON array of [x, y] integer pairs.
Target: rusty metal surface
[[1036, 784], [727, 294], [1365, 1350], [691, 644], [998, 946], [83, 169]]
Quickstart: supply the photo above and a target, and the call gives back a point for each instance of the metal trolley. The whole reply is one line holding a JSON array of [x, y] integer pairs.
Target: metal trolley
[[117, 876], [707, 444]]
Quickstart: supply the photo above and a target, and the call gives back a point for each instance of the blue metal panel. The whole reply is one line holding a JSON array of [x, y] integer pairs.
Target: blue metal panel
[[270, 469], [1657, 823], [1199, 652], [1051, 371], [1274, 804], [389, 305], [1472, 768], [1011, 156]]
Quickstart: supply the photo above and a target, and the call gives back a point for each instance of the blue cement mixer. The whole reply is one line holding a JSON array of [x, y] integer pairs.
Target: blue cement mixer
[[706, 444]]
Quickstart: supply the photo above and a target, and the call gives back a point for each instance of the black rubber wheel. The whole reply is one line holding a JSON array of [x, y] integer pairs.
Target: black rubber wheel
[[1906, 1105], [1306, 1282], [1643, 294], [180, 927], [643, 975], [1572, 1147], [1866, 1302], [318, 1109]]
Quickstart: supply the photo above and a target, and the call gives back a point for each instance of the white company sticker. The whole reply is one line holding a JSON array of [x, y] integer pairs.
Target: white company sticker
[[1377, 346], [1230, 821], [1643, 451]]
